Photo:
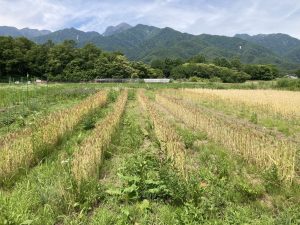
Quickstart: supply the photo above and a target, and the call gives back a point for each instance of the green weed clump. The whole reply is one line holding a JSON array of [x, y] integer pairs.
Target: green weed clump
[[145, 177]]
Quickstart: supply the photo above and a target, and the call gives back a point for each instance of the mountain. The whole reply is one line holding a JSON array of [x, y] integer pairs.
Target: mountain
[[111, 30], [67, 34], [146, 43], [25, 32], [126, 41], [294, 55], [281, 44], [278, 43]]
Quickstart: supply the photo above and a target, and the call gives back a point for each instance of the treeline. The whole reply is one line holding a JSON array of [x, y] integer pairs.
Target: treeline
[[66, 62], [232, 71]]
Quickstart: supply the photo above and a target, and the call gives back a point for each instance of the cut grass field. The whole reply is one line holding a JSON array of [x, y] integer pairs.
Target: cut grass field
[[138, 160]]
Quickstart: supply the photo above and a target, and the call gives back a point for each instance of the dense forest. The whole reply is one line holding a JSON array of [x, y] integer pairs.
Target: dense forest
[[67, 62]]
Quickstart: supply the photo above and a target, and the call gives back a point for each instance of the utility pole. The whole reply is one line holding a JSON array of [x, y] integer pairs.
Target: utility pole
[[27, 91], [47, 87]]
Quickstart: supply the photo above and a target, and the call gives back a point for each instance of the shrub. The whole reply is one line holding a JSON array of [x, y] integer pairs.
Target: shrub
[[209, 71], [292, 84], [262, 72], [194, 79]]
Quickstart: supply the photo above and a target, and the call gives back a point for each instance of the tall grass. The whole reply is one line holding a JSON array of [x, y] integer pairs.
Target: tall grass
[[88, 159], [169, 140], [29, 146], [255, 145]]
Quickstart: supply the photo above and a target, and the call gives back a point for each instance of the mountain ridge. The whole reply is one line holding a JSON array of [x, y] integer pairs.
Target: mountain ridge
[[146, 43], [281, 44], [24, 32], [112, 30]]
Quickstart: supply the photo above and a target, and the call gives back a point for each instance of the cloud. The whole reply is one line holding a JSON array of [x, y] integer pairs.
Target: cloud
[[223, 17]]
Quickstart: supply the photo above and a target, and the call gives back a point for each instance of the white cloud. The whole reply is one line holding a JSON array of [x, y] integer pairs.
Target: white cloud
[[194, 16]]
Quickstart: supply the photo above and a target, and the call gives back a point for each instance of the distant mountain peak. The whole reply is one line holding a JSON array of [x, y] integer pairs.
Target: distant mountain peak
[[25, 32], [67, 34], [111, 30]]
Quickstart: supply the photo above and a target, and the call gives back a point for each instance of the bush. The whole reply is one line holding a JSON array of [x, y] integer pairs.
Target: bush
[[208, 71], [215, 79], [292, 84], [262, 72], [194, 79]]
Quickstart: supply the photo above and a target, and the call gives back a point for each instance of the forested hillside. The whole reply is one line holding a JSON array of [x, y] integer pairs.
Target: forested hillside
[[281, 44], [147, 43]]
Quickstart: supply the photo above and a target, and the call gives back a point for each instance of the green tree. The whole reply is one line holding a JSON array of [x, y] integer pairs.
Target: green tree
[[209, 71], [59, 57], [236, 64], [298, 73], [223, 62], [197, 59], [262, 72]]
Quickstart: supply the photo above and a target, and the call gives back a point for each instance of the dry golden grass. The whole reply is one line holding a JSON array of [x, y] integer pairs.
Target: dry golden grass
[[87, 160], [282, 103], [169, 140], [26, 148], [254, 144]]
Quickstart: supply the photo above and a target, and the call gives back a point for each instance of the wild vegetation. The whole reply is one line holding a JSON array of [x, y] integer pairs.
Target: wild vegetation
[[126, 155]]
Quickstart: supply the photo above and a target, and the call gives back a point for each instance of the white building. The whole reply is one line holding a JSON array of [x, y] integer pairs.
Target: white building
[[157, 80]]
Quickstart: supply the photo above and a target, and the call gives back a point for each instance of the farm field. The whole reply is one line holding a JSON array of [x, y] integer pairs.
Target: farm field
[[142, 154], [20, 106]]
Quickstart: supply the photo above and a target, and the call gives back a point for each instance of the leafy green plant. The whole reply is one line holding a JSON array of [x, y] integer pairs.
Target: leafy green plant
[[112, 95], [145, 177], [272, 180], [254, 118], [249, 191]]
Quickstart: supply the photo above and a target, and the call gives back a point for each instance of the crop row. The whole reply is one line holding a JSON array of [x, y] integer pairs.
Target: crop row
[[87, 160], [242, 138], [28, 147], [169, 140]]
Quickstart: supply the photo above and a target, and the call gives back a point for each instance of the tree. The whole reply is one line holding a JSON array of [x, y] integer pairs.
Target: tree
[[236, 64], [59, 57], [197, 59], [209, 71], [157, 64], [262, 72], [298, 73], [222, 62]]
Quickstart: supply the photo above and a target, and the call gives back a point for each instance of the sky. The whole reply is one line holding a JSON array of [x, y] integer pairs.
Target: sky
[[222, 17]]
